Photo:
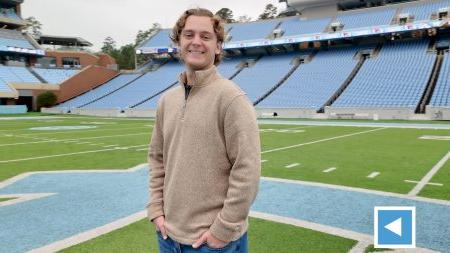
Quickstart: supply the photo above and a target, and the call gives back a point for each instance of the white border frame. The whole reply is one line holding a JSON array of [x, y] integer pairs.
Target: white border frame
[[413, 229]]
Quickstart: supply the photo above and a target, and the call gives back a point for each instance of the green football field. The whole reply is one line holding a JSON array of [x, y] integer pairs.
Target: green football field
[[376, 158]]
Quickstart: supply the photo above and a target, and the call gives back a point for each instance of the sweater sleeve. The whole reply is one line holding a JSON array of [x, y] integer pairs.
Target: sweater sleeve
[[244, 152], [157, 173]]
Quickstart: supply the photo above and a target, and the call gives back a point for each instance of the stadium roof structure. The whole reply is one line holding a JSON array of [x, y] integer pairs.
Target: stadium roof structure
[[63, 41], [11, 1]]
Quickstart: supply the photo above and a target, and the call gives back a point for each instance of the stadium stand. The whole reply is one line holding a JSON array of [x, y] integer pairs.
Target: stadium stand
[[227, 68], [396, 78], [423, 11], [441, 95], [312, 83], [160, 39], [17, 74], [365, 19], [100, 91], [9, 13], [140, 89], [259, 78], [55, 76], [13, 38], [252, 30], [296, 26], [4, 86]]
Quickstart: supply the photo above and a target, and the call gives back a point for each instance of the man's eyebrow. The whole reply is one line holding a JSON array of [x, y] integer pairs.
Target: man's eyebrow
[[203, 32]]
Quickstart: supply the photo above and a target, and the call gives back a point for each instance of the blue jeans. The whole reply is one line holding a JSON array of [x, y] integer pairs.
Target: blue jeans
[[171, 246]]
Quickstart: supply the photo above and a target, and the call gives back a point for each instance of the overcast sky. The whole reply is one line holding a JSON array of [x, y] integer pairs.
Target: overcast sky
[[94, 20]]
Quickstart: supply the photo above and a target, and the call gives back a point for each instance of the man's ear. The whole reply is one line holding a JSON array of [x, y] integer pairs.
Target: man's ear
[[219, 48]]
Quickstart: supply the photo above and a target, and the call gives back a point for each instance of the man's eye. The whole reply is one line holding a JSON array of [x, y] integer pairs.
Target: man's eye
[[206, 37], [188, 35]]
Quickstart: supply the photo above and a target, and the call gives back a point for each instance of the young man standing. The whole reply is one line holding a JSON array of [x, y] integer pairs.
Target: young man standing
[[205, 149]]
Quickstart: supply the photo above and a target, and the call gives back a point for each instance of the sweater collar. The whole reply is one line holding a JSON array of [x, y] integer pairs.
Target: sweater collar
[[201, 77]]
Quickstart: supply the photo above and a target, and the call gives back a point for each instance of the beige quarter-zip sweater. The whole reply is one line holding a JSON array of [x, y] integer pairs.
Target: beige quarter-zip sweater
[[204, 159]]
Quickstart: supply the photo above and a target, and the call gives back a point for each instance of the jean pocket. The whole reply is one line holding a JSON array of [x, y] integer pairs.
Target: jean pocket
[[224, 249]]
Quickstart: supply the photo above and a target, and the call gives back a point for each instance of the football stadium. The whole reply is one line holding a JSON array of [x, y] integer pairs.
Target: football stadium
[[353, 106]]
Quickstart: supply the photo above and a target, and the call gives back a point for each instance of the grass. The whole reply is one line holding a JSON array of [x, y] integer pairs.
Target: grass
[[398, 154], [439, 192], [5, 199], [371, 248], [264, 236]]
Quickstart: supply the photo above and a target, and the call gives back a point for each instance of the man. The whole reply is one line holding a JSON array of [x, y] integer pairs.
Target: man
[[205, 149]]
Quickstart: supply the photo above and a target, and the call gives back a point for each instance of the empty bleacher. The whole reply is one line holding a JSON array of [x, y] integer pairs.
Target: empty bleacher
[[441, 95], [296, 26], [396, 78], [12, 74], [313, 83], [55, 76], [13, 38], [9, 13], [252, 30], [423, 11], [140, 89], [266, 73], [161, 39], [352, 20], [100, 91]]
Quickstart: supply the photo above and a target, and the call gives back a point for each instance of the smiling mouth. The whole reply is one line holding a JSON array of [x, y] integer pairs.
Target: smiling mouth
[[195, 52]]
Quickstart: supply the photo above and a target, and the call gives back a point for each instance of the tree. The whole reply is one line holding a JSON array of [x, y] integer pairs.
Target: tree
[[126, 56], [109, 45], [144, 35], [269, 12], [244, 19], [46, 99], [226, 15], [33, 26]]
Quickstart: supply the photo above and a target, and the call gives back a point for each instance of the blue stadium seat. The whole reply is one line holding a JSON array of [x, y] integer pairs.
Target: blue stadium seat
[[161, 39], [396, 78], [423, 11], [55, 76], [140, 89], [261, 77], [296, 26], [313, 83], [441, 94], [100, 91], [252, 30], [12, 74], [360, 19]]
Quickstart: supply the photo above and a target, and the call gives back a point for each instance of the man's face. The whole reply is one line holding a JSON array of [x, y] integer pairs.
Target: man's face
[[198, 43]]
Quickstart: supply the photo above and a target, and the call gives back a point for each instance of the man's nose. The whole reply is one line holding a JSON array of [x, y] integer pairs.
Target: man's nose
[[196, 39]]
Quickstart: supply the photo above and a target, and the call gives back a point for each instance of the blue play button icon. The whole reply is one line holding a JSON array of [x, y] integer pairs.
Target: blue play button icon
[[394, 227]]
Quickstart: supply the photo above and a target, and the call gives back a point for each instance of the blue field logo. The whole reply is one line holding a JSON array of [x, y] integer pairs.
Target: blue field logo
[[395, 227]]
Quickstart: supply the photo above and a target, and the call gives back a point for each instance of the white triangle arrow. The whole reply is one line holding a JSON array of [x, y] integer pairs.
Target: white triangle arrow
[[395, 226]]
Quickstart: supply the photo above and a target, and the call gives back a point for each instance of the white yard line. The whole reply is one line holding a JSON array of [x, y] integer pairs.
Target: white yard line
[[429, 175], [322, 140], [355, 189], [73, 140], [329, 170], [87, 235], [373, 174], [263, 161], [292, 165], [435, 137], [76, 131], [22, 198], [66, 154], [416, 182]]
